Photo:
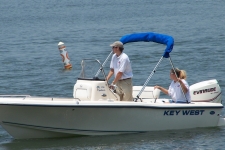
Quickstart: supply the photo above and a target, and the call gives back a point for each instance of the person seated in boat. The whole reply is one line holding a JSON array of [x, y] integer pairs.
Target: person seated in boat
[[120, 66], [178, 81]]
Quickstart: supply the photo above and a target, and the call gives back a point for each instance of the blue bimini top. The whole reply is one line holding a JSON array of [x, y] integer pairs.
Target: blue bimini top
[[151, 37]]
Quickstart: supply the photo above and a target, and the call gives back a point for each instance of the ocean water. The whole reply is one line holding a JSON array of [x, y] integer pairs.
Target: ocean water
[[31, 63]]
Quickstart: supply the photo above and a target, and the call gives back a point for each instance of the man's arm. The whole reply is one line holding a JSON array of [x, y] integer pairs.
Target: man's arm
[[111, 72], [118, 77]]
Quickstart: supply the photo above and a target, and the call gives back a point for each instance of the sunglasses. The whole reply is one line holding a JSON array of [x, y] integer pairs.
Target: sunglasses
[[114, 47]]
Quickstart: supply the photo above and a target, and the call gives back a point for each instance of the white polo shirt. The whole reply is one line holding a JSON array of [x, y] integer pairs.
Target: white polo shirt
[[176, 93], [121, 64]]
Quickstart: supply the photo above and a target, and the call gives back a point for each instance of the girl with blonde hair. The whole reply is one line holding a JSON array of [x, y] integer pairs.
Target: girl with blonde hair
[[179, 88]]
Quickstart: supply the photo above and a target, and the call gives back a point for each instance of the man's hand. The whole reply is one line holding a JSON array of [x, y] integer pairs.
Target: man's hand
[[112, 86]]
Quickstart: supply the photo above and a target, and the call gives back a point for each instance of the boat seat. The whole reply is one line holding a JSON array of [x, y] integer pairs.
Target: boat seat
[[149, 92]]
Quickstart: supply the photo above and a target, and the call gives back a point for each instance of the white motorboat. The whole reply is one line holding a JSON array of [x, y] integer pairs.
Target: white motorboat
[[95, 109]]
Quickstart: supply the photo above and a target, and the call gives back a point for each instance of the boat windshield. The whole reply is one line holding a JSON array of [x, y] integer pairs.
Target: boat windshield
[[91, 69]]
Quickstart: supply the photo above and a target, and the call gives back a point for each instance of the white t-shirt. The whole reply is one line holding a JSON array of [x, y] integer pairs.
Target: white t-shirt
[[121, 64], [176, 93]]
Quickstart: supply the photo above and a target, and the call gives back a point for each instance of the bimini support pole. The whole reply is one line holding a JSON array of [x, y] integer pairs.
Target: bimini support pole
[[148, 79], [177, 77], [106, 60]]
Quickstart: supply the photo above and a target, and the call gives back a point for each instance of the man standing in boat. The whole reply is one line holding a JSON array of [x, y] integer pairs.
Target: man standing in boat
[[120, 66]]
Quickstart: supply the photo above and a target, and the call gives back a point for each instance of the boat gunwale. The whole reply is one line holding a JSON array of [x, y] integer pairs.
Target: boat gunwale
[[111, 105]]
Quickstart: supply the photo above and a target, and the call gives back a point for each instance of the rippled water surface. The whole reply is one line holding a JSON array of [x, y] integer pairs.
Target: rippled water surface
[[31, 63]]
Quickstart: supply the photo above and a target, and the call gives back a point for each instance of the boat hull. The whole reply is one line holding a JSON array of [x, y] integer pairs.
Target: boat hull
[[103, 118]]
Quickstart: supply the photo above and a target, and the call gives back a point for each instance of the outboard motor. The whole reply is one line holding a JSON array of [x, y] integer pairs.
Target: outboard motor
[[206, 91]]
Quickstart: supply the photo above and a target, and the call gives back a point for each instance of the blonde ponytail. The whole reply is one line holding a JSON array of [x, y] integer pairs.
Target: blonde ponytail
[[183, 74]]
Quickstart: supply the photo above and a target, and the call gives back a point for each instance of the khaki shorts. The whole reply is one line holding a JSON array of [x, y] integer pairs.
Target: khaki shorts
[[125, 89]]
